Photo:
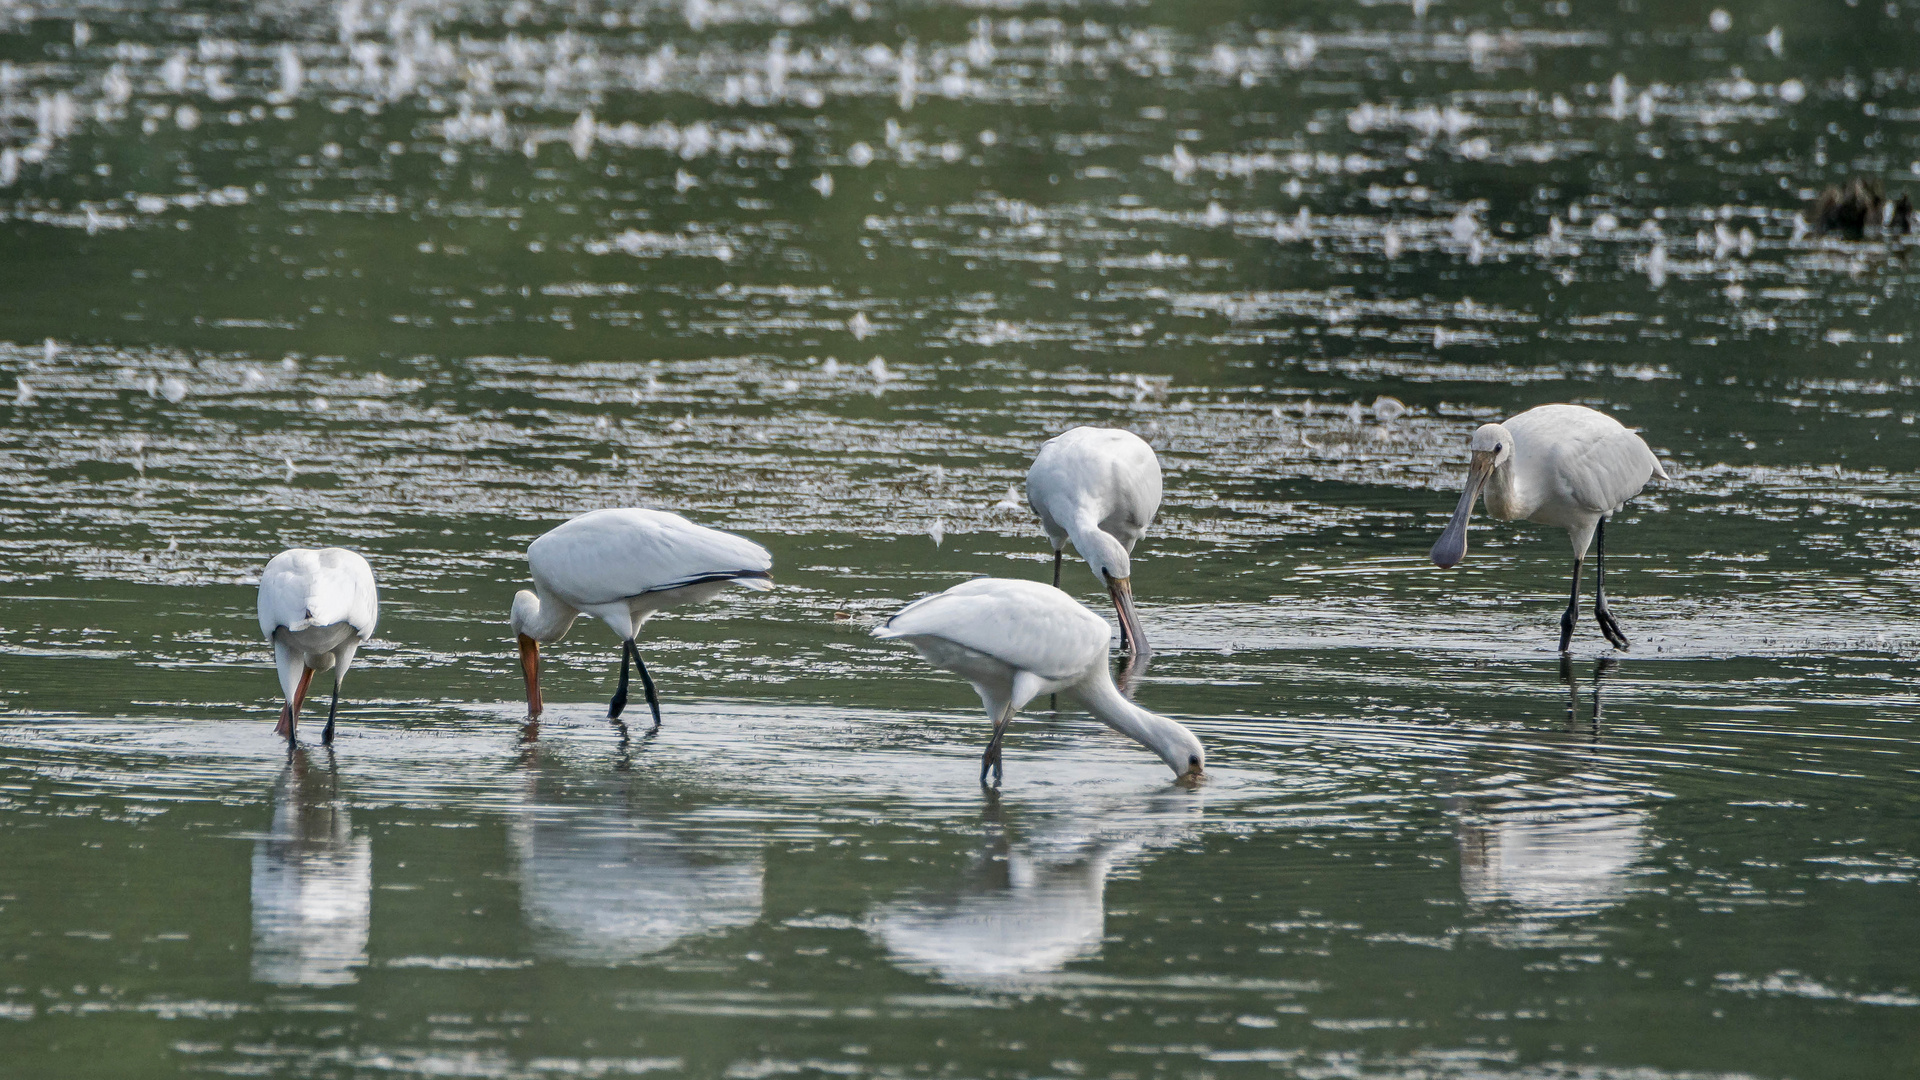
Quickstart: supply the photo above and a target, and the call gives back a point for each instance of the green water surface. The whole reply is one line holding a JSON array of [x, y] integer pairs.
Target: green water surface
[[425, 277]]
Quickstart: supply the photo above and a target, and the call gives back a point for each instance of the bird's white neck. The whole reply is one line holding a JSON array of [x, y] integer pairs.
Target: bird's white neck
[[1508, 498], [1106, 556], [541, 616], [1177, 746]]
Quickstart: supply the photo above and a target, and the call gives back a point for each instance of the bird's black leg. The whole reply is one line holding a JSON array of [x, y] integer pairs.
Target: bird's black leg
[[1573, 688], [326, 733], [1053, 700], [1573, 609], [646, 683], [1601, 613], [991, 759], [619, 702]]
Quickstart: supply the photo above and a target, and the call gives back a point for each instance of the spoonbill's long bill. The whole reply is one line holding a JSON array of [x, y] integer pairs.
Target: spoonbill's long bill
[[1100, 488], [1014, 640], [1561, 465], [622, 567], [316, 608]]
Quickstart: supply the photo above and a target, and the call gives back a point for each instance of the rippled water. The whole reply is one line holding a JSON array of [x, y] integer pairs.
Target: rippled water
[[423, 278]]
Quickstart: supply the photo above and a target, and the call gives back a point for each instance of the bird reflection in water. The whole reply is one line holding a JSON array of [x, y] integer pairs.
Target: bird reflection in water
[[1024, 909], [604, 883], [312, 882], [1603, 669], [1133, 668], [1550, 860], [1567, 845]]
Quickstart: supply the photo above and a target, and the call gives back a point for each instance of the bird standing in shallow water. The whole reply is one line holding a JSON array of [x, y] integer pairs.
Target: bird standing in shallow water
[[1100, 488], [1562, 465], [623, 567], [1015, 640], [316, 608]]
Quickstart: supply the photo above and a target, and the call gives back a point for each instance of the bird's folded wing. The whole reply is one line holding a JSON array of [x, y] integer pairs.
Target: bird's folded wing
[[1609, 469], [283, 593], [613, 555], [303, 588], [1015, 622]]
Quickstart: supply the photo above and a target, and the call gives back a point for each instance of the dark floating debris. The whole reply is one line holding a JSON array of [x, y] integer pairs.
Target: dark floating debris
[[1850, 209]]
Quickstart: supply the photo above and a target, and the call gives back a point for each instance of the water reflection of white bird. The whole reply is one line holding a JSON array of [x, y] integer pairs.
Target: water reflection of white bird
[[1100, 488], [623, 567], [312, 884], [317, 608], [1022, 909], [1549, 861], [1015, 640], [1561, 465], [600, 884]]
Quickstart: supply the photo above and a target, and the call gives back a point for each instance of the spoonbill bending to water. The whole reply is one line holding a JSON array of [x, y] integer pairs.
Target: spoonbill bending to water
[[317, 608], [1015, 640], [622, 567], [1100, 488], [1563, 465]]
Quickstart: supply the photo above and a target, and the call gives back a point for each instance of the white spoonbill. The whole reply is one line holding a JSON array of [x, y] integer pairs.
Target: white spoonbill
[[1561, 465], [317, 608], [1015, 640], [1100, 488], [622, 567]]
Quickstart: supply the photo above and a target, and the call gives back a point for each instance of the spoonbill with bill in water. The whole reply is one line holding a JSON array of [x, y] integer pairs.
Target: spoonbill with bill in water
[[622, 567], [316, 608], [1100, 488], [1015, 640]]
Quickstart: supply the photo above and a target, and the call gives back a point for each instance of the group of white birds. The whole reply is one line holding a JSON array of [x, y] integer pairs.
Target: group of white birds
[[1097, 488]]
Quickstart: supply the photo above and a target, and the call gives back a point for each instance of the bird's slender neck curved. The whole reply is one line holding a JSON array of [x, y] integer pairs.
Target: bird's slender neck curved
[[1177, 746], [541, 616], [1106, 556]]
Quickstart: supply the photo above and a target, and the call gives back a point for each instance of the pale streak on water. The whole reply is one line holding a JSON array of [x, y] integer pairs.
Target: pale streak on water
[[424, 278]]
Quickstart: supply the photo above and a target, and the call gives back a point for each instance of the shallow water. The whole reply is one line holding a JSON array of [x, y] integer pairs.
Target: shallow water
[[425, 278]]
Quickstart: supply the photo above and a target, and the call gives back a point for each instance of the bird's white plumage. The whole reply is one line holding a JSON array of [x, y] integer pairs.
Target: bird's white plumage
[[1561, 465], [1099, 488], [1015, 640], [305, 589], [1026, 625], [316, 607], [607, 556], [1570, 466], [621, 566]]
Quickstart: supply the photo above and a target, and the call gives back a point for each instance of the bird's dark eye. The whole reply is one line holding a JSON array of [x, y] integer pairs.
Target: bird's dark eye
[[1193, 759], [1497, 448]]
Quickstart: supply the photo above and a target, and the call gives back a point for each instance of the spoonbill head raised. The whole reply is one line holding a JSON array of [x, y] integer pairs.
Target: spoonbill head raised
[[1566, 466]]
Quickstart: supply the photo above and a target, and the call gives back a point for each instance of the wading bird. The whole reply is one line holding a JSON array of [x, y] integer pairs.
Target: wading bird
[[622, 567], [1014, 640], [1100, 488], [317, 608], [1561, 465]]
